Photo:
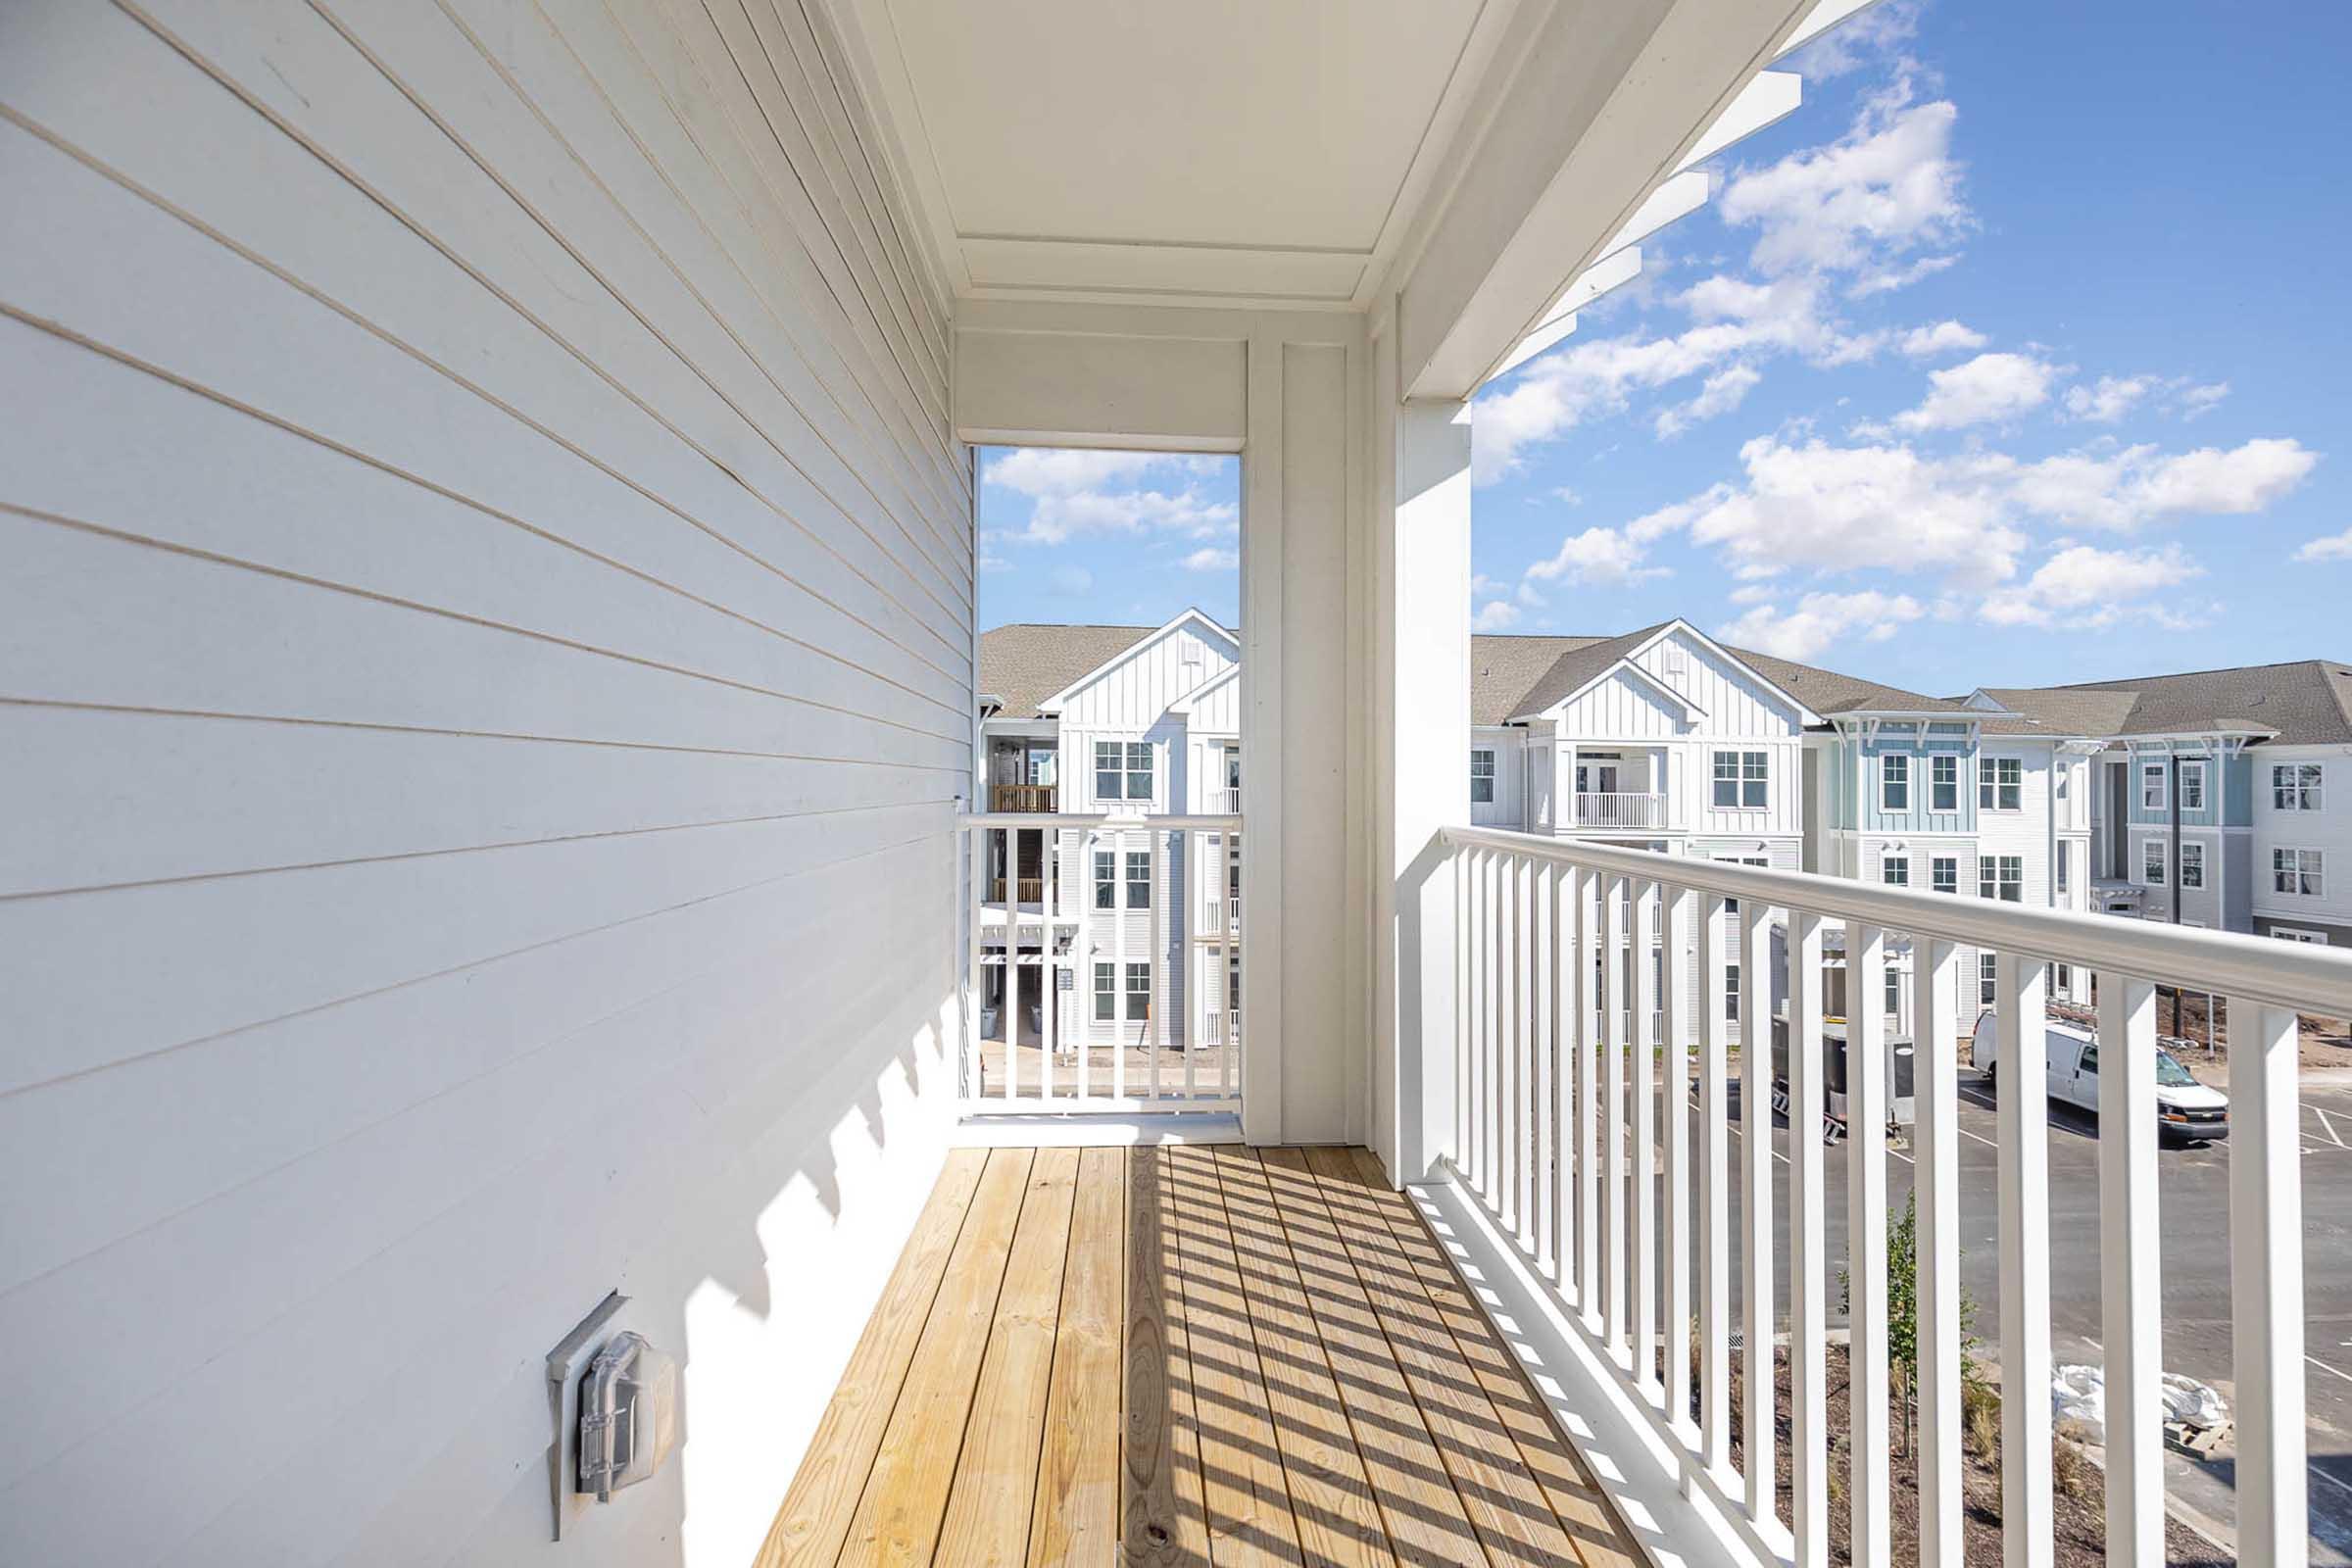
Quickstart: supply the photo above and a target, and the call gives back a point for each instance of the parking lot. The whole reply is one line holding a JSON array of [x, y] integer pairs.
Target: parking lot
[[2195, 1209]]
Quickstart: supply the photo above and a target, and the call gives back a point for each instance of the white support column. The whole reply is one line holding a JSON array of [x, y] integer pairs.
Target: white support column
[[1421, 737], [2266, 1285]]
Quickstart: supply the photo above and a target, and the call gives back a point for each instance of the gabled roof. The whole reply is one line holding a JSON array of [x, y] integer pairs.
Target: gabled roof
[[1024, 664], [1504, 669], [1192, 699], [1578, 668], [2305, 703]]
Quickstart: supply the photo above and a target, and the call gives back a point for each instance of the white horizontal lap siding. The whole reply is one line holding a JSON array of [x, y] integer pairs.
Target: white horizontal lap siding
[[485, 635], [2327, 830]]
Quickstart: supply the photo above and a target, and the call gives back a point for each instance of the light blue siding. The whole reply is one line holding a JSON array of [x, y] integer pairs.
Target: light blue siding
[[1919, 752]]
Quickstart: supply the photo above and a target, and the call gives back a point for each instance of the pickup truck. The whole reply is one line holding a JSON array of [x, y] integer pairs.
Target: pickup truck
[[2185, 1109]]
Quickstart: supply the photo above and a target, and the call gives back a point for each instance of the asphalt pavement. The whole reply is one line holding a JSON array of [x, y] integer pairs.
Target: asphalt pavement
[[2193, 1209]]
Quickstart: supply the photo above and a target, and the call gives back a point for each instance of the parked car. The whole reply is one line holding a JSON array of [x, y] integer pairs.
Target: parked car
[[2185, 1109]]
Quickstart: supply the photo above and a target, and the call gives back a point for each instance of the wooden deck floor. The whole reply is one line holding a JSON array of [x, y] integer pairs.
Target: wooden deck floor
[[1183, 1356]]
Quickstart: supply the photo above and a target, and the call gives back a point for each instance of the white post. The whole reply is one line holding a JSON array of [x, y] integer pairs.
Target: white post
[[1674, 1035], [1757, 1424], [1421, 740], [2023, 1089], [1936, 1078], [1715, 939], [1866, 1235], [1616, 892], [1808, 1282], [2266, 1285], [2130, 1316]]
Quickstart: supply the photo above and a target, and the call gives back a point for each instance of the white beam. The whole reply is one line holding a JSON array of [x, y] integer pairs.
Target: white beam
[[1772, 96], [1614, 271], [1606, 106]]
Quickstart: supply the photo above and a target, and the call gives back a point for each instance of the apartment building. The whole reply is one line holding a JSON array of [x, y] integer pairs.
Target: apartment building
[[2216, 797], [1127, 721], [1666, 740]]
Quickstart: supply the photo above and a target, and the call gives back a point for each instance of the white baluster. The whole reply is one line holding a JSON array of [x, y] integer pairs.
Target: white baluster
[[1935, 1081], [1714, 1189], [1648, 907], [1870, 1440], [2266, 1285], [1808, 1285], [1614, 947], [2023, 1089], [1758, 1439], [2130, 1325], [1674, 1008]]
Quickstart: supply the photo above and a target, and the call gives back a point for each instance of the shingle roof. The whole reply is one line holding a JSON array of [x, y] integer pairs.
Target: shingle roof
[[2305, 703], [1828, 693], [2061, 710], [1511, 675], [1570, 670], [1024, 664]]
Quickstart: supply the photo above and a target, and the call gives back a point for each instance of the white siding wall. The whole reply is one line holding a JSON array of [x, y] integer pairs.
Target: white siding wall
[[2327, 830], [1508, 808], [485, 604], [1622, 708]]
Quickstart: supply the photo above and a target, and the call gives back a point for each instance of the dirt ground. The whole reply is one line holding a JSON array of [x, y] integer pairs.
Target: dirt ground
[[2081, 1493]]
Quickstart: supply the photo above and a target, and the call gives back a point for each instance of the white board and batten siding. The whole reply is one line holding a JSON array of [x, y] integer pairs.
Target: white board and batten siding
[[486, 664]]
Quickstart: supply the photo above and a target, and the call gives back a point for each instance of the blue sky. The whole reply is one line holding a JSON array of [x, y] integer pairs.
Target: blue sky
[[2012, 356]]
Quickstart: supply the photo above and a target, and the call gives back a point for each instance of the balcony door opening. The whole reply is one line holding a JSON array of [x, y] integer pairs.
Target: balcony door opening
[[1107, 835]]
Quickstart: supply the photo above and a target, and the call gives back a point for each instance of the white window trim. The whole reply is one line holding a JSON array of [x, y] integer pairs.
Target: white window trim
[[2295, 790], [2162, 796], [2198, 845], [1936, 860], [1935, 763], [1894, 770], [1738, 779], [1897, 863], [2152, 872], [2203, 779], [1988, 779], [2298, 933], [1488, 777], [2319, 871]]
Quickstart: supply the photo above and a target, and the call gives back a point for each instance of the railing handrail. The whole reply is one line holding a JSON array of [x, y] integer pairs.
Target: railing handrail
[[1620, 795], [2288, 974], [1197, 822]]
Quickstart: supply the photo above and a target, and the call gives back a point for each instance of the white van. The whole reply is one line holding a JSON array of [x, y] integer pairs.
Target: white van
[[2185, 1108]]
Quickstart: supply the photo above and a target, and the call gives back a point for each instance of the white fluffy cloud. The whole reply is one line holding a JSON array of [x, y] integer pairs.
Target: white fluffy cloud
[[1821, 619], [1607, 556], [1944, 337], [2128, 488], [2108, 398], [1495, 615], [1719, 394], [1985, 390], [1886, 188], [1213, 560], [2084, 586], [1077, 492], [1966, 519]]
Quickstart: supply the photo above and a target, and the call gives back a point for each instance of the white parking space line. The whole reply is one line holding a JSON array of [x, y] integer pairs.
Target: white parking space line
[[2318, 1474], [2328, 1126], [2324, 1367]]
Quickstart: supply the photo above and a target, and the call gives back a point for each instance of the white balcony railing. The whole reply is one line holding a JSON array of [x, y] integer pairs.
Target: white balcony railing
[[1620, 810], [1085, 991], [1225, 802], [1552, 1110]]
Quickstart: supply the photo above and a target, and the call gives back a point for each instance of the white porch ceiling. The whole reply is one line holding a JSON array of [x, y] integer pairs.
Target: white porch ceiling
[[1236, 151]]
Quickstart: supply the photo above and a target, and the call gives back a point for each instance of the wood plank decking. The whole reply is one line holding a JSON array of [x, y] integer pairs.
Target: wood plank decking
[[1184, 1356]]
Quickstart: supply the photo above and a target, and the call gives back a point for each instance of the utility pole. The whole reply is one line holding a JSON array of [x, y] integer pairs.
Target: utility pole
[[2171, 798]]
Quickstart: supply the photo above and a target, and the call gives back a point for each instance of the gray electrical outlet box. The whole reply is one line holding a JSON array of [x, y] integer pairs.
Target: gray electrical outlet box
[[614, 1400]]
